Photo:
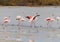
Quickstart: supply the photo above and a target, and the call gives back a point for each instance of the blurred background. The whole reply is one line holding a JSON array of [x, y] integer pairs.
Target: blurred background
[[29, 2]]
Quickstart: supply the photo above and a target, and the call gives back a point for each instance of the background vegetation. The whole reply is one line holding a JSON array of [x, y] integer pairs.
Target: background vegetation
[[29, 2]]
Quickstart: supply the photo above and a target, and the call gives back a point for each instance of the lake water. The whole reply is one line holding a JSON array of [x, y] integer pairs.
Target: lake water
[[38, 34]]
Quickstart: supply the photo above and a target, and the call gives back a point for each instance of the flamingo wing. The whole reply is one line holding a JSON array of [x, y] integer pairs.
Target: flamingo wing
[[22, 19], [29, 17]]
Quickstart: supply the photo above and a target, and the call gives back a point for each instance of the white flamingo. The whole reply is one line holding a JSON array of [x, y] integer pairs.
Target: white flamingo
[[49, 20], [32, 19], [6, 21], [57, 19], [20, 19]]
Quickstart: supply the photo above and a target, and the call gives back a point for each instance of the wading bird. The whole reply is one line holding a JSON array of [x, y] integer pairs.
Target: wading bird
[[32, 19], [6, 20], [57, 19], [20, 19], [49, 20]]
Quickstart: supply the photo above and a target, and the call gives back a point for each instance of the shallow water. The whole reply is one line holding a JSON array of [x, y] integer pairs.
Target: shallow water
[[38, 34], [11, 34]]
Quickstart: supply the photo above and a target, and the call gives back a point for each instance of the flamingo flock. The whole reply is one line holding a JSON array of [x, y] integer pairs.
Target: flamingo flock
[[20, 19], [32, 20]]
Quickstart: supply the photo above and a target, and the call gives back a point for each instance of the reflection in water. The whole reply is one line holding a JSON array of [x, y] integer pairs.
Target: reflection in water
[[27, 34]]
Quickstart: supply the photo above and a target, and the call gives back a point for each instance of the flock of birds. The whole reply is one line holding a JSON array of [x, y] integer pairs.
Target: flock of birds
[[31, 19]]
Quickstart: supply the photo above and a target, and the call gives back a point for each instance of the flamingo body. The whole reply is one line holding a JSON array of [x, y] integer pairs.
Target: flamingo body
[[32, 19], [19, 18], [6, 20], [57, 18], [50, 19], [29, 17]]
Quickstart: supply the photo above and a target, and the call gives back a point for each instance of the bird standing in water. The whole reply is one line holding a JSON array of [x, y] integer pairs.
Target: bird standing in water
[[6, 20], [49, 20], [19, 18], [32, 19]]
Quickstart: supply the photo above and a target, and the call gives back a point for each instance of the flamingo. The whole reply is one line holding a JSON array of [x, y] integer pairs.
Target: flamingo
[[49, 19], [32, 19], [19, 18], [57, 19], [6, 20]]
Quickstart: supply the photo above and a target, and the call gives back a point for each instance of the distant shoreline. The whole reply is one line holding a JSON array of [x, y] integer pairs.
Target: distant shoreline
[[29, 6]]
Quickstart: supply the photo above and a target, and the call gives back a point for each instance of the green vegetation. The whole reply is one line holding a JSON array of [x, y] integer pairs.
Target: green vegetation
[[30, 2]]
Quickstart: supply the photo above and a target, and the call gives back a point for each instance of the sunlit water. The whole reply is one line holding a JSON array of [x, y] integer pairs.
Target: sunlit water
[[38, 34]]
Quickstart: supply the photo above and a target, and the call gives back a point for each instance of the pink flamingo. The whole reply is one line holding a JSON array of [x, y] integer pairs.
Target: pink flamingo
[[32, 19], [19, 18], [6, 21], [49, 20]]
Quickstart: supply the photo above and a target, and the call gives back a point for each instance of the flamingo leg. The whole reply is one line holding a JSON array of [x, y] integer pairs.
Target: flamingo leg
[[31, 24], [4, 26], [30, 27], [19, 26], [34, 25], [47, 24]]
